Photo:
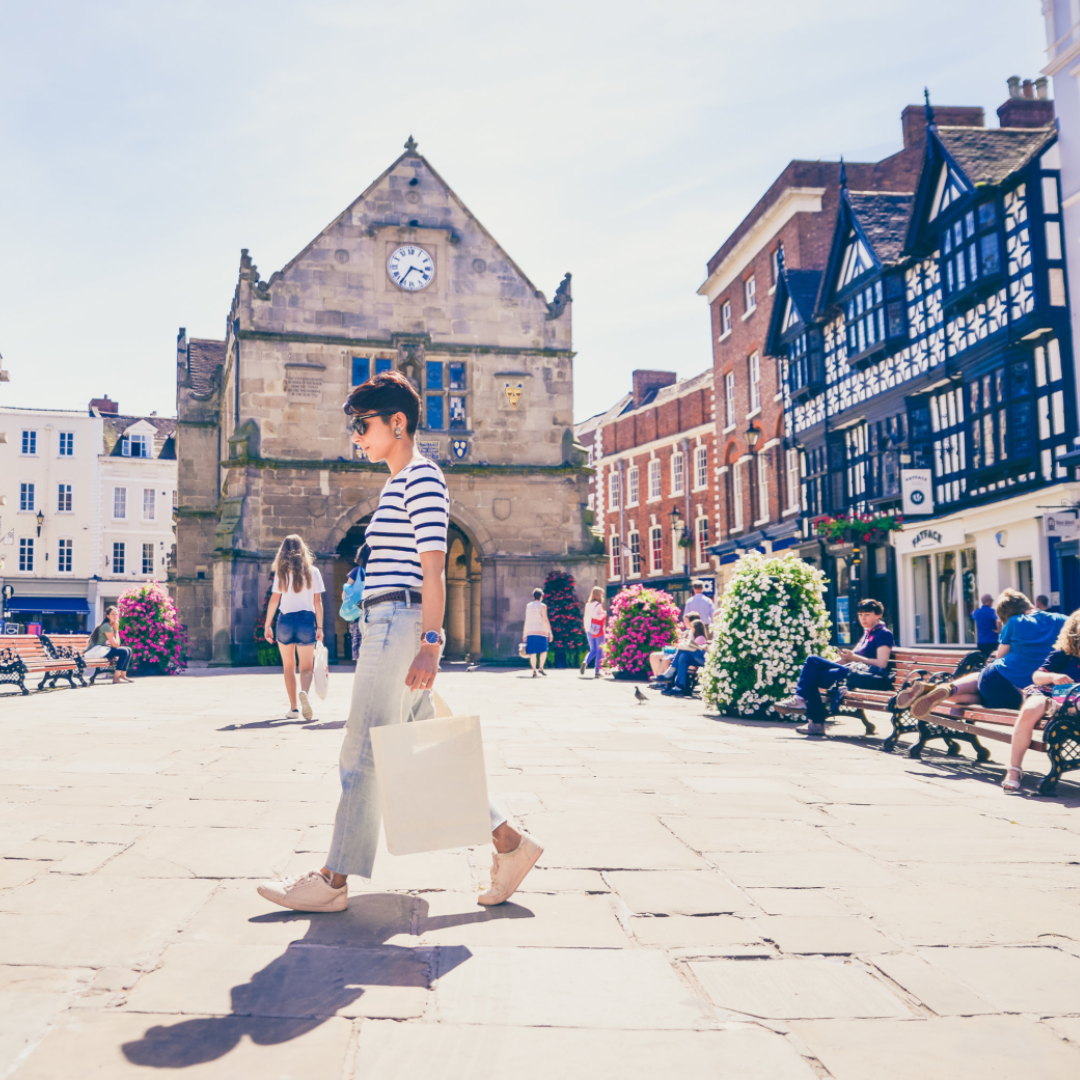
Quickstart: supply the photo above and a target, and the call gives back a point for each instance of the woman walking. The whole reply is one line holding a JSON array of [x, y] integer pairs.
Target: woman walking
[[298, 589], [104, 644], [537, 632], [402, 615], [595, 620]]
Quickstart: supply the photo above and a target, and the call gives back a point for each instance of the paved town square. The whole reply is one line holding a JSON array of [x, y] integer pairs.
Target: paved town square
[[716, 898]]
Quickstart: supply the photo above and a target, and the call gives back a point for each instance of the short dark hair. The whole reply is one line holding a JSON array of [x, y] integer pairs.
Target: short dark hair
[[696, 584], [538, 593], [385, 392], [876, 606]]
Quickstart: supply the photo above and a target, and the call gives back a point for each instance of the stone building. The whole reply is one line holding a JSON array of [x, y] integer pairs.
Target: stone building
[[404, 278], [653, 493]]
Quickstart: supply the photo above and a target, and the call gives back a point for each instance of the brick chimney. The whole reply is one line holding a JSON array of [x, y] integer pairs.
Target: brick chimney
[[104, 405], [644, 381], [1027, 105], [913, 120]]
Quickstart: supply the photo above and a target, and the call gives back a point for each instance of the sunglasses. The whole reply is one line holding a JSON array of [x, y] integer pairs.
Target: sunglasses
[[359, 423]]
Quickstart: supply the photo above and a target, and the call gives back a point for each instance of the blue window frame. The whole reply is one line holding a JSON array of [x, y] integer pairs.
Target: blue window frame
[[434, 375], [457, 376], [435, 412], [361, 370]]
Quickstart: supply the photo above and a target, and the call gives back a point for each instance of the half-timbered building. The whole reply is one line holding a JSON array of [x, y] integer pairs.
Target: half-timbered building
[[937, 339]]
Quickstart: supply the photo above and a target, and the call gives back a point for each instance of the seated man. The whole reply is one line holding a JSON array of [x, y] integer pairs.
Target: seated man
[[690, 653], [871, 655]]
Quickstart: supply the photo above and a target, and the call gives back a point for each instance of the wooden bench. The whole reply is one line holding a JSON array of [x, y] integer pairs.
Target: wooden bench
[[73, 646], [1060, 735], [906, 666], [27, 656]]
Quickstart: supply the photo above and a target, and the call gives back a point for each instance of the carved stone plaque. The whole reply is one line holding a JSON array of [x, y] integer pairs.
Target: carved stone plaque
[[303, 382]]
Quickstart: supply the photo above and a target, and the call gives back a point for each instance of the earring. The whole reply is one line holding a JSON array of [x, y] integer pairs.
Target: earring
[[397, 433]]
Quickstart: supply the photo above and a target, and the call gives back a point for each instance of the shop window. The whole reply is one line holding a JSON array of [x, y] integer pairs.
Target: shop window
[[948, 598], [924, 604]]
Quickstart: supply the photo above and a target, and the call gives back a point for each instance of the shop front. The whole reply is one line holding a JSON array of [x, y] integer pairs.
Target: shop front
[[47, 614], [949, 563], [678, 586]]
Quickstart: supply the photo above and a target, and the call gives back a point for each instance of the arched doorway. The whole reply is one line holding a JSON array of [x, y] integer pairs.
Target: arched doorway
[[461, 621]]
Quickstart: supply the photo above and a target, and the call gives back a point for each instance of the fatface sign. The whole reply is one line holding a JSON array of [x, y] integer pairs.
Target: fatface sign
[[917, 488], [915, 539]]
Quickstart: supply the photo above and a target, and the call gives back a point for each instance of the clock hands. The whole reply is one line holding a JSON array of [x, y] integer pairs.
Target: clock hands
[[406, 274]]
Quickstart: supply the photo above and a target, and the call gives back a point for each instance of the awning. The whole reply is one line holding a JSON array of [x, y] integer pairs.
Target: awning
[[48, 605]]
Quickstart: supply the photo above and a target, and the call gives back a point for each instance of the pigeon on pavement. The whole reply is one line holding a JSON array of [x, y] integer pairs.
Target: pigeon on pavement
[[639, 695]]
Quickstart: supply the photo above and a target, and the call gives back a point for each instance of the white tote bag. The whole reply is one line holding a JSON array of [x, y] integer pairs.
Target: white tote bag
[[432, 782], [321, 672]]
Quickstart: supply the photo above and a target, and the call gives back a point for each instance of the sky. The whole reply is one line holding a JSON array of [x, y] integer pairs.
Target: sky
[[143, 143]]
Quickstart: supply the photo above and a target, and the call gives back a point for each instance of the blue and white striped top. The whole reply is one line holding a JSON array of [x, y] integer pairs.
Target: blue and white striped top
[[412, 517]]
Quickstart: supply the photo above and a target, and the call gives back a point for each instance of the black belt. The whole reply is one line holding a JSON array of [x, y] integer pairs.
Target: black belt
[[399, 596]]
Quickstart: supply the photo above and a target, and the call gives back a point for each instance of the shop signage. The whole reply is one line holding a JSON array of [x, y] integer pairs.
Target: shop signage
[[1063, 525], [710, 587], [917, 538], [917, 488]]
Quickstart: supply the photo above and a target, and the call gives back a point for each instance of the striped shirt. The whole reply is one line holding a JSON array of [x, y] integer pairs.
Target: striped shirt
[[411, 518]]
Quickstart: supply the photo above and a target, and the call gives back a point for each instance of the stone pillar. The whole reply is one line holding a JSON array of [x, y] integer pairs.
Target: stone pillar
[[455, 617], [474, 617]]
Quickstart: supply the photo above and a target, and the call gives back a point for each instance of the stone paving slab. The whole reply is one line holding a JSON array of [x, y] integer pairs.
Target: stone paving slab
[[708, 885], [440, 1051]]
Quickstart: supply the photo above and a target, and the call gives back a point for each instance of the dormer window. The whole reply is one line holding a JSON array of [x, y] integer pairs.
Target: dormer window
[[135, 446], [970, 250], [856, 261]]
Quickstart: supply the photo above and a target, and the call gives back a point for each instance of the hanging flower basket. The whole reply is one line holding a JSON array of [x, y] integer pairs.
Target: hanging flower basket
[[858, 528]]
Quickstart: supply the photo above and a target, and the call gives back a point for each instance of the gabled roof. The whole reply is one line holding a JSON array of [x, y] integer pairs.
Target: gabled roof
[[801, 288], [974, 156], [991, 155], [876, 220]]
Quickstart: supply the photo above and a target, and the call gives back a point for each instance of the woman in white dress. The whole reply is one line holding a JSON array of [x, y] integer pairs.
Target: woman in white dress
[[537, 632]]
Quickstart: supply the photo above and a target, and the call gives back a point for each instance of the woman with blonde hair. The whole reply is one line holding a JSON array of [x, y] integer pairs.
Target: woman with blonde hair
[[298, 589], [1060, 668]]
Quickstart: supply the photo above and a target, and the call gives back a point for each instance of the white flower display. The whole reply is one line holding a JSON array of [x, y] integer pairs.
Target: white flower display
[[771, 617]]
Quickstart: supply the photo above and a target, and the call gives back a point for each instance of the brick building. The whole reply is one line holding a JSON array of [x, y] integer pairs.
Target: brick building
[[652, 495], [758, 497]]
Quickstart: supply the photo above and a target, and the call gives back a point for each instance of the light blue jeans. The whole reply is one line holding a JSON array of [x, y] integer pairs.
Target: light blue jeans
[[391, 640]]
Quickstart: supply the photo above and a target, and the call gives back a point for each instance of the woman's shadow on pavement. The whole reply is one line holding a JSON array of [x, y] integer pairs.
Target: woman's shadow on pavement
[[306, 986]]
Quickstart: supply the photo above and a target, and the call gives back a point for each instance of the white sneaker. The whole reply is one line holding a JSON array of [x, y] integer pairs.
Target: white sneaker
[[292, 714], [508, 871], [306, 892], [791, 704], [305, 705]]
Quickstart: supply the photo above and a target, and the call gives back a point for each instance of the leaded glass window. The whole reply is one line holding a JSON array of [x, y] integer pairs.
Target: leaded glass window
[[970, 249]]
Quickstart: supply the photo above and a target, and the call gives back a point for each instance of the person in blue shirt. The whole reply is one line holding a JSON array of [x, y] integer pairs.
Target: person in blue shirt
[[1027, 636], [986, 626]]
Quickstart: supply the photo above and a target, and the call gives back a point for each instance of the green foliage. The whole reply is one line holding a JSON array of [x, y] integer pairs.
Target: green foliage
[[771, 617]]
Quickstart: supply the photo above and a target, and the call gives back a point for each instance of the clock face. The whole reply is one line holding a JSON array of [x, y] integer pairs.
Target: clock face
[[411, 268]]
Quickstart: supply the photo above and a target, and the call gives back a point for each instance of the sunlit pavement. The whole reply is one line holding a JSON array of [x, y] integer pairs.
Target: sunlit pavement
[[716, 899]]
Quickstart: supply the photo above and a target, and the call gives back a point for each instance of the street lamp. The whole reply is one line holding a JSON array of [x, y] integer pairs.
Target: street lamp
[[677, 530], [752, 434], [40, 521]]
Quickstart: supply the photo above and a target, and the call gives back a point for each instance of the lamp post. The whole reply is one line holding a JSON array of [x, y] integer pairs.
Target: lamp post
[[677, 528], [40, 521], [752, 434]]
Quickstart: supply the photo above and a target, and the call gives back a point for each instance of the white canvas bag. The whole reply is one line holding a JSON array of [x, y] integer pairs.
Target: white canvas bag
[[432, 782], [321, 671]]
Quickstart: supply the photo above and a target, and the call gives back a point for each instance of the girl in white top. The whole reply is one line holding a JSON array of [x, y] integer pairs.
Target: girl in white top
[[298, 589], [594, 613], [537, 632]]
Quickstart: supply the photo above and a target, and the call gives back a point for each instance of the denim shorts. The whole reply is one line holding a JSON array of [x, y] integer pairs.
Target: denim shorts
[[996, 691], [296, 628]]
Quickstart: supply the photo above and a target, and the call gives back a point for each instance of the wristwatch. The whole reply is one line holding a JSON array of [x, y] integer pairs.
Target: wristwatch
[[434, 637]]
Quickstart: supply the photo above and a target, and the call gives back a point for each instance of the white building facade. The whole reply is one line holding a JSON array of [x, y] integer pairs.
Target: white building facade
[[81, 519]]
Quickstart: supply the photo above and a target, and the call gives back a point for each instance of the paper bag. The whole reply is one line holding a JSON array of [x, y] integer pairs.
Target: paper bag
[[321, 671], [432, 783]]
